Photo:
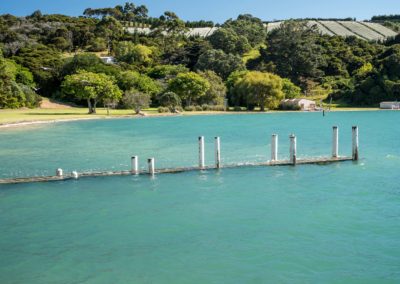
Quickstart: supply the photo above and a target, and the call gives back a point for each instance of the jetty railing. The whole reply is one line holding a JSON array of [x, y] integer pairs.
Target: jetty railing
[[152, 170]]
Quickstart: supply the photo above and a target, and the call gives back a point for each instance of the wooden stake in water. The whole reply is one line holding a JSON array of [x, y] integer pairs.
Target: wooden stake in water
[[59, 172], [293, 149], [217, 153], [135, 165], [355, 154], [151, 166], [201, 152], [274, 147], [335, 142], [75, 174]]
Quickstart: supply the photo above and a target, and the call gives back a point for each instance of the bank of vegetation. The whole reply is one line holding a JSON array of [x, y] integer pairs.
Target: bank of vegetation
[[239, 65]]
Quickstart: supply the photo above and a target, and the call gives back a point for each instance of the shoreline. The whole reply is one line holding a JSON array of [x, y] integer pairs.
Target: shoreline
[[26, 123]]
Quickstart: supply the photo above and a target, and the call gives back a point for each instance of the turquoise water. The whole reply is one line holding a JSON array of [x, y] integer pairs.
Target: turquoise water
[[336, 223]]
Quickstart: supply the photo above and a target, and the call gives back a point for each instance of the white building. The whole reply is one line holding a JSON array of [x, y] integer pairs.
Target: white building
[[390, 105], [108, 59], [301, 104]]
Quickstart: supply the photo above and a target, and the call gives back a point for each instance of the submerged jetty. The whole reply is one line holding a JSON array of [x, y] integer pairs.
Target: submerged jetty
[[152, 170]]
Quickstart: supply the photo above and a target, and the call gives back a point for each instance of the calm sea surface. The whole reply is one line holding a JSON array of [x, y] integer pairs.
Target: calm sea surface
[[336, 223]]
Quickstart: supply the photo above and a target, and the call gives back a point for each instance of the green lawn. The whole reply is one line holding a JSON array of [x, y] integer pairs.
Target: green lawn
[[22, 115], [27, 115]]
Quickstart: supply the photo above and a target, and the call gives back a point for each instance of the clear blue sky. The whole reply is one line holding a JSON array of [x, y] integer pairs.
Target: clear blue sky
[[218, 10]]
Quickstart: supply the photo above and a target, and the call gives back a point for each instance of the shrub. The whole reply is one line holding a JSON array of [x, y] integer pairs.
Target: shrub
[[163, 109], [178, 109], [190, 108], [217, 108], [136, 100], [170, 100], [198, 108], [206, 107]]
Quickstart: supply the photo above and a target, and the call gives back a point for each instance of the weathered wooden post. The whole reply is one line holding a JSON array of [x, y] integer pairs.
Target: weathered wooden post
[[135, 165], [355, 153], [335, 142], [217, 152], [274, 147], [151, 166], [293, 149], [59, 172], [201, 152], [75, 175]]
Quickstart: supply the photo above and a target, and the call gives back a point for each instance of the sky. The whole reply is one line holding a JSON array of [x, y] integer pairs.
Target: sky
[[217, 10]]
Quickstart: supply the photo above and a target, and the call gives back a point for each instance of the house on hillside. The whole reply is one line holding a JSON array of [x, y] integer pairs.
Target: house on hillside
[[298, 104], [390, 105]]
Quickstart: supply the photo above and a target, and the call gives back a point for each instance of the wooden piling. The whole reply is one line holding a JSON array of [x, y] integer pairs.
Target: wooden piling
[[135, 165], [274, 147], [151, 166], [75, 175], [293, 149], [335, 142], [217, 152], [355, 153], [59, 172], [201, 153]]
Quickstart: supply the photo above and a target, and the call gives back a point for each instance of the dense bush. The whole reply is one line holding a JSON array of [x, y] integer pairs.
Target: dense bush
[[238, 108], [41, 51], [190, 108], [163, 109]]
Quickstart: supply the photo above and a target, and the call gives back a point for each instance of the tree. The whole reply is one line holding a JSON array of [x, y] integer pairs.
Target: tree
[[189, 87], [16, 85], [170, 23], [128, 12], [234, 97], [370, 86], [97, 44], [37, 15], [170, 100], [110, 29], [136, 100], [133, 13], [134, 80], [216, 94], [389, 62], [229, 41], [290, 90], [250, 27], [88, 62], [91, 87], [44, 63], [7, 98], [293, 50], [137, 54], [221, 63], [166, 71], [170, 30], [262, 89], [188, 54]]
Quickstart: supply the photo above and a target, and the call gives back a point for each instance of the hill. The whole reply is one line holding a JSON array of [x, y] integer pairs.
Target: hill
[[172, 64], [363, 30]]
